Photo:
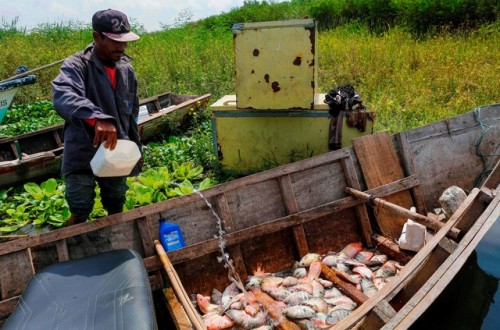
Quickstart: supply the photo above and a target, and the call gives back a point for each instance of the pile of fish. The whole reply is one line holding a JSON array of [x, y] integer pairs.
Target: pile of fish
[[299, 295]]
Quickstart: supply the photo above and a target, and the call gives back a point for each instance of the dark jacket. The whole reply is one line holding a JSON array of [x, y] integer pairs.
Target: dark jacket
[[83, 90]]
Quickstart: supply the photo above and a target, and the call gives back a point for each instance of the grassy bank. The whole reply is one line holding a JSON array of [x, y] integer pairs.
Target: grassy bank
[[407, 81]]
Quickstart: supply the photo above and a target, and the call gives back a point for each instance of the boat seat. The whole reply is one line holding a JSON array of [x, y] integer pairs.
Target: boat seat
[[106, 291]]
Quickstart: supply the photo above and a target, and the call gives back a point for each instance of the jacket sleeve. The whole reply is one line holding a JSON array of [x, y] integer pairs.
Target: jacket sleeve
[[133, 129], [68, 92]]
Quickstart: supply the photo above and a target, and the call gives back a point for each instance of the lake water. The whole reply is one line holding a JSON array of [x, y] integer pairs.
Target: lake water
[[472, 300]]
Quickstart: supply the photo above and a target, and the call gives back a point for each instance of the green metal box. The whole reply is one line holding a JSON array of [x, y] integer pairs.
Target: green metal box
[[253, 140], [275, 64]]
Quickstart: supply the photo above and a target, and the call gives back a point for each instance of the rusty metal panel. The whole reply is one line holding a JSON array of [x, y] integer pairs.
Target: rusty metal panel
[[275, 64], [252, 140]]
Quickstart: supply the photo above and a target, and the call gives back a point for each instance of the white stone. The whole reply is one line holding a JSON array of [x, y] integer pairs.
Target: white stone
[[451, 199], [413, 236]]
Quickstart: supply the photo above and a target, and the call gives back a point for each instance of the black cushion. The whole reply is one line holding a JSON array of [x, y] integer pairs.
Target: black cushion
[[106, 291]]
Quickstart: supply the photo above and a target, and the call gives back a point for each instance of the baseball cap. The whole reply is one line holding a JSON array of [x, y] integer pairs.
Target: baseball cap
[[114, 25]]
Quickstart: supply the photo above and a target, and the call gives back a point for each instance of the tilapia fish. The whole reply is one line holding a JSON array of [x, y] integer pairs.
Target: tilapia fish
[[299, 312], [298, 294]]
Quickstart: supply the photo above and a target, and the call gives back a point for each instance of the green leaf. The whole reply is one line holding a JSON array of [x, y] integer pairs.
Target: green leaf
[[13, 228], [155, 178], [130, 203], [205, 184], [159, 196], [184, 188], [49, 187], [143, 194], [186, 171], [39, 222], [34, 190]]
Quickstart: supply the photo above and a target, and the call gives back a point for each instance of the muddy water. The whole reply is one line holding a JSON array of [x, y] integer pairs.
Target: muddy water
[[472, 300]]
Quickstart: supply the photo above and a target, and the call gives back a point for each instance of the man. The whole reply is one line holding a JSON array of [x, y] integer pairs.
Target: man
[[96, 94]]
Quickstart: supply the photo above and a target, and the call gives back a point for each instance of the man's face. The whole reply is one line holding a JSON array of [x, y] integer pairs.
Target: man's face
[[108, 49]]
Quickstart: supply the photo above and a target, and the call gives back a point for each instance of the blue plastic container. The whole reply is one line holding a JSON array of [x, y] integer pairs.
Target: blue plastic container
[[170, 235]]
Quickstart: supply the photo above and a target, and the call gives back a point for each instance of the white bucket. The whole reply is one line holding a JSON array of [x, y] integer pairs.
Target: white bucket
[[119, 162]]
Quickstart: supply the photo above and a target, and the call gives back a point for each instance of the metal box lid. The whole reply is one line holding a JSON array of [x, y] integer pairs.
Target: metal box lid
[[228, 103], [275, 64]]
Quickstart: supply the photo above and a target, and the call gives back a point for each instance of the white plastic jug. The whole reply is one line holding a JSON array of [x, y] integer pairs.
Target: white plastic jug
[[118, 162]]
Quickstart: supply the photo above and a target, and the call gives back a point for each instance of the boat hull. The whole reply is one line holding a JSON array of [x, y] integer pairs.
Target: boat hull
[[37, 155], [5, 101]]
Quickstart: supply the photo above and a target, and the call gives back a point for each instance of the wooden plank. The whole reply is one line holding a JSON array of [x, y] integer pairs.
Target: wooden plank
[[445, 152], [157, 105], [13, 146], [274, 311], [16, 271], [446, 244], [396, 284], [345, 287], [193, 251], [202, 248], [494, 178], [465, 224], [175, 309], [57, 138], [372, 321], [144, 225], [156, 281], [229, 226], [147, 239], [443, 276], [409, 165], [361, 211], [62, 250], [380, 165], [199, 249], [380, 315], [291, 207], [7, 306], [152, 263], [389, 247], [384, 311], [422, 275]]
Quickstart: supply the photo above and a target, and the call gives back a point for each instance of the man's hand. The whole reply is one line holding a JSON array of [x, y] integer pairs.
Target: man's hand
[[105, 130]]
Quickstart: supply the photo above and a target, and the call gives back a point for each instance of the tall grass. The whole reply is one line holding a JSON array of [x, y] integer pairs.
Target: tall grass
[[410, 82], [186, 60]]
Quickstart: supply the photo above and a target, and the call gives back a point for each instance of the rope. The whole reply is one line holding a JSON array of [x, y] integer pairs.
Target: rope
[[485, 129], [371, 200]]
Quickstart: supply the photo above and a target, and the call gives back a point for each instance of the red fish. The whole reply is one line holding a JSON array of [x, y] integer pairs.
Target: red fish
[[205, 306], [352, 249], [314, 270], [247, 321], [214, 321]]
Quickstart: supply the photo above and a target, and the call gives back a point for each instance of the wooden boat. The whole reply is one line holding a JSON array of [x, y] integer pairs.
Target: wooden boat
[[273, 218], [8, 89], [37, 155]]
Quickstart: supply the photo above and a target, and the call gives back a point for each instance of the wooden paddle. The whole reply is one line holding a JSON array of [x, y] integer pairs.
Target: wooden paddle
[[179, 290], [422, 219], [23, 74]]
